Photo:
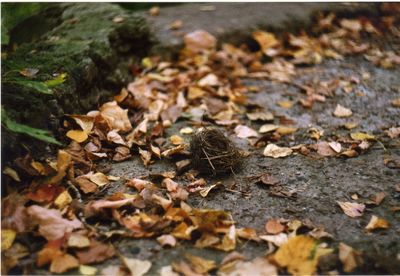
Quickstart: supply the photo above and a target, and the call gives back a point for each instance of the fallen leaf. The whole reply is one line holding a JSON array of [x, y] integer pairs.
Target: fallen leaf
[[324, 149], [285, 104], [342, 112], [361, 136], [62, 200], [199, 40], [300, 255], [52, 225], [396, 102], [7, 238], [377, 223], [243, 131], [277, 240], [206, 190], [63, 263], [167, 240], [352, 209], [78, 241], [272, 150], [200, 265], [337, 147], [195, 92], [377, 198], [186, 130], [100, 179], [84, 121], [209, 80], [136, 267], [262, 116], [29, 72], [284, 130], [273, 226], [267, 128], [154, 11], [11, 173], [266, 40], [116, 116], [247, 233], [96, 253], [175, 25], [260, 266], [87, 270], [115, 138], [349, 257], [184, 269], [393, 132], [145, 156], [176, 140]]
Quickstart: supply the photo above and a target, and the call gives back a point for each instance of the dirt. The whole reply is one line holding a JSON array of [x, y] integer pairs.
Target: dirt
[[316, 182]]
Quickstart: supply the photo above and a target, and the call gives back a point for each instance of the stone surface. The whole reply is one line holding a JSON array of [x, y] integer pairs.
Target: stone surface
[[234, 22]]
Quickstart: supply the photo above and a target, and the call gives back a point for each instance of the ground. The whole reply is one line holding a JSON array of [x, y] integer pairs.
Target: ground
[[302, 91]]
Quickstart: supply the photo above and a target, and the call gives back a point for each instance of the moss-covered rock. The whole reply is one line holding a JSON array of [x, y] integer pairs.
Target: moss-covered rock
[[85, 42]]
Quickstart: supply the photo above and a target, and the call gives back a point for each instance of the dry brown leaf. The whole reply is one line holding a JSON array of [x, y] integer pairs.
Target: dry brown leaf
[[99, 179], [78, 240], [272, 150], [62, 200], [199, 41], [175, 25], [63, 263], [96, 253], [262, 116], [265, 40], [342, 112], [52, 225], [209, 80], [145, 156], [277, 240], [176, 140], [352, 209], [377, 223], [337, 147], [195, 92], [136, 267], [243, 131], [393, 132], [324, 149], [349, 257], [200, 265], [267, 128], [258, 267], [116, 117], [396, 102], [284, 130], [273, 226], [115, 138], [11, 173], [247, 233], [84, 121], [167, 240], [154, 11]]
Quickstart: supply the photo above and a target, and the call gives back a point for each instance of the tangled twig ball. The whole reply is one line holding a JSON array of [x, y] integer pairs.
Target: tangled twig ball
[[212, 152]]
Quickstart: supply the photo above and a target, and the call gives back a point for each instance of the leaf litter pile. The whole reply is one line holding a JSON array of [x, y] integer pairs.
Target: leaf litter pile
[[66, 213]]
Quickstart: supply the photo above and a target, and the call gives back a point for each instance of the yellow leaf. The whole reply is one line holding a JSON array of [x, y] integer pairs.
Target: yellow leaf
[[63, 200], [284, 130], [11, 173], [7, 238], [377, 223], [77, 135], [361, 136], [349, 257], [300, 255], [285, 104], [99, 179], [87, 270], [176, 140], [265, 40], [84, 121], [200, 265], [195, 93], [186, 130]]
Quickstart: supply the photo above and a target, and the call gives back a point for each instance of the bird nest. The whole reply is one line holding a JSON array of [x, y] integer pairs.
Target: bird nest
[[213, 152]]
